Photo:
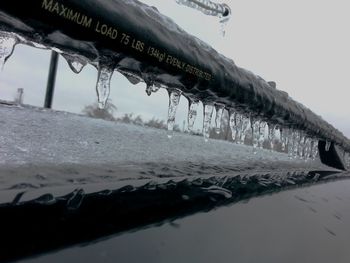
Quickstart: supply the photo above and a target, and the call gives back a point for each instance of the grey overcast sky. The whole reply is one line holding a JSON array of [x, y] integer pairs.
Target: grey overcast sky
[[303, 45]]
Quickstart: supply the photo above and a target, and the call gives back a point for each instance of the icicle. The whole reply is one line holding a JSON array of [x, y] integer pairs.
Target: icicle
[[76, 64], [148, 89], [232, 123], [271, 135], [328, 145], [192, 113], [244, 128], [347, 160], [151, 88], [291, 139], [255, 126], [301, 145], [262, 134], [239, 124], [103, 84], [296, 141], [219, 111], [8, 42], [314, 149], [283, 138], [208, 113], [307, 148], [174, 99], [224, 21]]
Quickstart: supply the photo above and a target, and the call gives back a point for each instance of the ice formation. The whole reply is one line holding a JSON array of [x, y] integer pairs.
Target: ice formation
[[174, 99]]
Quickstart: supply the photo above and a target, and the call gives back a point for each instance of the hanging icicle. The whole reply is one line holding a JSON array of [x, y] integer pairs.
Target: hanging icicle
[[219, 112], [8, 41], [314, 149], [208, 113], [174, 99], [271, 136], [255, 127], [151, 88], [76, 64], [262, 128], [192, 113], [232, 124], [244, 129], [103, 84]]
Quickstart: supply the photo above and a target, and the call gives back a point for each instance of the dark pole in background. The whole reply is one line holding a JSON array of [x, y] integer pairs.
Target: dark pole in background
[[51, 80]]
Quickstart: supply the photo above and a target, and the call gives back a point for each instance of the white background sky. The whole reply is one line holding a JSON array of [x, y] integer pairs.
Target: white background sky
[[303, 45]]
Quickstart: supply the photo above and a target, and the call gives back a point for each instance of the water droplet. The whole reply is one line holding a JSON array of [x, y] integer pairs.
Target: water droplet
[[232, 123], [328, 145], [103, 84], [192, 113], [8, 42], [174, 99], [208, 113], [75, 63], [219, 111]]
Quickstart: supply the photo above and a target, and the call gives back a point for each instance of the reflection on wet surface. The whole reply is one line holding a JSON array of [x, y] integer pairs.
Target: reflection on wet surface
[[301, 225]]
